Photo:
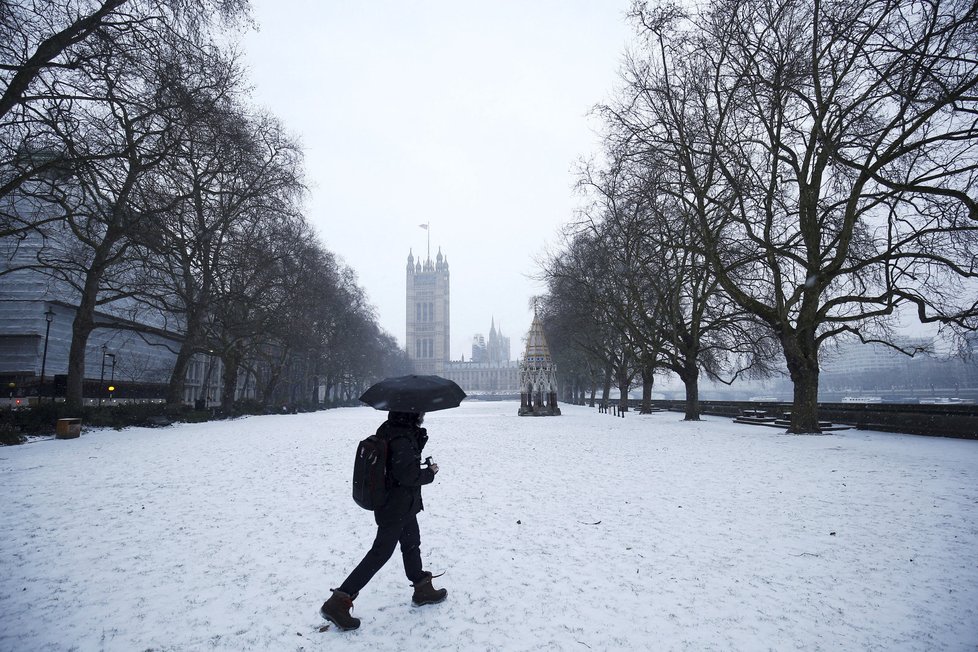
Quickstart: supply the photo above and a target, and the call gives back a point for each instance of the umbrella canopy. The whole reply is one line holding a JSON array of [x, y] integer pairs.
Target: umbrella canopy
[[414, 394]]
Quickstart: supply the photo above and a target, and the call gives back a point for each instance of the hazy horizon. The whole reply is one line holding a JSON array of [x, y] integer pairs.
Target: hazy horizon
[[468, 118]]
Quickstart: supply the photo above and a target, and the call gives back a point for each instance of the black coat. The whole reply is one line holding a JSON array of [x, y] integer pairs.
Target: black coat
[[405, 444]]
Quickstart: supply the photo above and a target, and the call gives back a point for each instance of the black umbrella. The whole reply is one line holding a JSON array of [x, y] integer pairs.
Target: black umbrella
[[414, 394]]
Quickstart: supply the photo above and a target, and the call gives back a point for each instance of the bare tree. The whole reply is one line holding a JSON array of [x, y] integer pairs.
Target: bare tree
[[44, 43], [125, 146], [111, 129], [826, 152], [85, 97], [251, 284], [300, 335], [228, 168], [575, 340], [579, 370], [350, 362], [586, 280]]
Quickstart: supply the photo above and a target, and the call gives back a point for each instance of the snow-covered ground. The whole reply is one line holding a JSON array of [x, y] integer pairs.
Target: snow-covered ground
[[581, 532]]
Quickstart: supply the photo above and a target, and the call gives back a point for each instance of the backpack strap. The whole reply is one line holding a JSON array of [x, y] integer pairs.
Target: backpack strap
[[390, 434]]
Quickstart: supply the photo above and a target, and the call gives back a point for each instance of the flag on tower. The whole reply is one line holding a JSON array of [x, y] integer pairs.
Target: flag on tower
[[424, 226]]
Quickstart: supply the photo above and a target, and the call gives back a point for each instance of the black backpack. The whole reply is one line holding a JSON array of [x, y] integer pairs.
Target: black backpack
[[370, 483]]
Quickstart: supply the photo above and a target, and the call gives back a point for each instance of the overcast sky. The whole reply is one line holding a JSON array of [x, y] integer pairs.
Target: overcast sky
[[468, 116]]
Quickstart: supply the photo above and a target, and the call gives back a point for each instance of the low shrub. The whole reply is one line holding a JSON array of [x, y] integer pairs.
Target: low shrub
[[195, 416], [16, 425], [249, 406], [10, 434], [37, 420]]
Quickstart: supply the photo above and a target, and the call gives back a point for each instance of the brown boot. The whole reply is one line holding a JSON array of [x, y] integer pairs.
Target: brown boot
[[337, 610], [424, 593]]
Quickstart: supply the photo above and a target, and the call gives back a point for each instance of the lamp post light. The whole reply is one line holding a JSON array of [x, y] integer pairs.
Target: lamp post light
[[112, 378], [101, 376], [48, 317]]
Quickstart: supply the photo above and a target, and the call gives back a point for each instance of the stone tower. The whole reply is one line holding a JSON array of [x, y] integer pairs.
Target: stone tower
[[538, 375], [428, 337]]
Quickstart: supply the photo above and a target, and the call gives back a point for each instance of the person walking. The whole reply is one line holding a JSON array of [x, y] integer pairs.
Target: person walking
[[397, 521]]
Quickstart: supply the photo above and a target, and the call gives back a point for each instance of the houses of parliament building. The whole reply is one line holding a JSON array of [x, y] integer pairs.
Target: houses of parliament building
[[489, 371]]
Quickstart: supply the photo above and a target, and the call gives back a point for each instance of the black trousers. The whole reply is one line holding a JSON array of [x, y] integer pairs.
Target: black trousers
[[406, 533]]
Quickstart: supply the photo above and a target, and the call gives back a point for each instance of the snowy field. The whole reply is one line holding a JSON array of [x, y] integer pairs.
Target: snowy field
[[583, 532]]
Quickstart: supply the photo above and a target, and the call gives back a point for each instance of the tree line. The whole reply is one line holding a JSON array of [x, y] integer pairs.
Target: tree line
[[130, 150], [777, 175]]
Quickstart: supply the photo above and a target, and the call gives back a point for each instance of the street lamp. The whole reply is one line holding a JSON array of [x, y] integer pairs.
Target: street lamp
[[48, 317], [101, 377], [112, 379]]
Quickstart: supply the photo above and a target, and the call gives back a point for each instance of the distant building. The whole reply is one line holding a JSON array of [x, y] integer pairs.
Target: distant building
[[428, 330], [497, 348], [857, 369], [851, 358], [37, 310], [485, 378], [480, 352], [428, 334], [494, 351], [131, 348]]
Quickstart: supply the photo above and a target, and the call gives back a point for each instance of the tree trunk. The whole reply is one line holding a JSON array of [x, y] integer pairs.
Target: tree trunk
[[230, 377], [804, 407], [648, 378], [271, 386], [623, 383], [692, 383], [801, 355], [81, 330], [606, 390], [689, 373], [177, 384]]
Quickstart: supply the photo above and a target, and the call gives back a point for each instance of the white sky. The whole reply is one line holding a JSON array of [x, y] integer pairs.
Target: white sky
[[470, 116]]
